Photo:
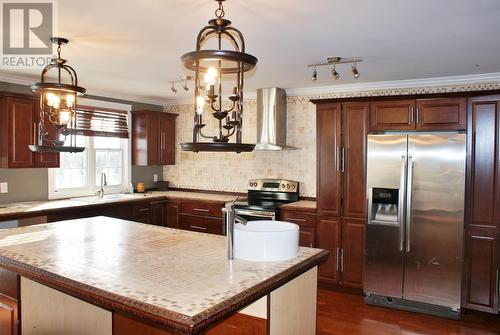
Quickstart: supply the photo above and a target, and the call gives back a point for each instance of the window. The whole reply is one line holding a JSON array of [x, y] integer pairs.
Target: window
[[106, 151]]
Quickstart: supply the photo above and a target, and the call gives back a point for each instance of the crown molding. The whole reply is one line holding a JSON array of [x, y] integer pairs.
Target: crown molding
[[398, 84], [28, 80]]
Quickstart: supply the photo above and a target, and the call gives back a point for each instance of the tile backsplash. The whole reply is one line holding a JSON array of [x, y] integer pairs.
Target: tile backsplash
[[231, 171]]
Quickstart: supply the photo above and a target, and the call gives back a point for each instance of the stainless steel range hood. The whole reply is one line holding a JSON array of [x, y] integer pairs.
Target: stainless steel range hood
[[271, 119]]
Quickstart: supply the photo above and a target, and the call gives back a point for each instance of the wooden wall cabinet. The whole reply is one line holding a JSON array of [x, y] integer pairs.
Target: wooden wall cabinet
[[419, 114], [153, 138], [19, 114], [482, 261]]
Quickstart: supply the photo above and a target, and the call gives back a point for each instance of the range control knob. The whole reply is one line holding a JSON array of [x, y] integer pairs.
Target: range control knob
[[287, 185], [282, 185], [293, 187]]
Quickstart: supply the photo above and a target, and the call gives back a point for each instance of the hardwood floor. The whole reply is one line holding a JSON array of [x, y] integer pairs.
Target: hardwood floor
[[342, 313]]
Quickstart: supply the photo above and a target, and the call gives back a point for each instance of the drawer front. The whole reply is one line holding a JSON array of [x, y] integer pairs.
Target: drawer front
[[141, 211], [307, 237], [201, 224], [299, 218], [202, 208]]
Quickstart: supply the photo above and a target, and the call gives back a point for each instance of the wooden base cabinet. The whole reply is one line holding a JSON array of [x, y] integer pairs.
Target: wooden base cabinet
[[9, 303], [352, 252], [307, 225], [328, 237], [482, 271]]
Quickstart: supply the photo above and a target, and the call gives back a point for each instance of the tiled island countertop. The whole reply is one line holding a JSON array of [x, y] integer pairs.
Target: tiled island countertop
[[175, 278]]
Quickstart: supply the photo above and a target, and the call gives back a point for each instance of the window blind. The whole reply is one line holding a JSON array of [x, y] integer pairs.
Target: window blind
[[92, 121]]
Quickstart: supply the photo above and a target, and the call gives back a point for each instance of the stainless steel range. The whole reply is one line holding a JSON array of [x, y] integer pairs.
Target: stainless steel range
[[264, 198]]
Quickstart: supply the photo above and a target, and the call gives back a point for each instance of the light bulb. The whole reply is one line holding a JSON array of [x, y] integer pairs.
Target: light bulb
[[210, 76], [70, 100], [64, 117], [51, 98], [200, 105]]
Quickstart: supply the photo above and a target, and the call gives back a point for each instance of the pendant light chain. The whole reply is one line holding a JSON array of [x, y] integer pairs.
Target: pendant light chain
[[219, 12]]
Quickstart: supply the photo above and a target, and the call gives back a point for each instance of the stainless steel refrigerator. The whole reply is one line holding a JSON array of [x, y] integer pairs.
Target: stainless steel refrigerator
[[415, 221]]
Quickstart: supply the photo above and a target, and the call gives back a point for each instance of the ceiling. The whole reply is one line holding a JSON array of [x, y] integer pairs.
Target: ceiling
[[133, 48]]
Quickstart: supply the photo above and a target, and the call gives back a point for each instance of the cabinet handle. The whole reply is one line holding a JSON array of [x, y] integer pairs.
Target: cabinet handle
[[337, 158], [417, 115], [343, 159], [296, 220], [310, 245], [143, 209], [338, 258], [497, 288], [198, 227], [201, 210], [342, 260]]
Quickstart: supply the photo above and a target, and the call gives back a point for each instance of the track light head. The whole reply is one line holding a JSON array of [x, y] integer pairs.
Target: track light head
[[173, 89], [314, 75], [335, 74], [185, 87], [355, 72]]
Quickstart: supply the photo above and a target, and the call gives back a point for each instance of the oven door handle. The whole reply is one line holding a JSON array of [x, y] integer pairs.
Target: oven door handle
[[260, 214]]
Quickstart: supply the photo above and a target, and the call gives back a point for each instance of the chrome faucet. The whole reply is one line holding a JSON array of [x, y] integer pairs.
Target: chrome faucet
[[230, 218], [104, 182]]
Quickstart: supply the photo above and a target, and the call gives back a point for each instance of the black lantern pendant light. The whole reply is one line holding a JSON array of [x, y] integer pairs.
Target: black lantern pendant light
[[210, 67], [58, 101]]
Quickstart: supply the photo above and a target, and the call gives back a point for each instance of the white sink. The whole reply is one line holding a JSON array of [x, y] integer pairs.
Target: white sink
[[266, 241], [107, 197]]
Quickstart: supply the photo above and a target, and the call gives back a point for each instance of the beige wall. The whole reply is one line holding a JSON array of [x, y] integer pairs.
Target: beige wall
[[231, 171]]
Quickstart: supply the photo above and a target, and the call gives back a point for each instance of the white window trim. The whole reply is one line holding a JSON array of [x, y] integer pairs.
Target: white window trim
[[85, 191]]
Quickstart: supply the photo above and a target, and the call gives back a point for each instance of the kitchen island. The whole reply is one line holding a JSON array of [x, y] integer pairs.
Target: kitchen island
[[106, 276]]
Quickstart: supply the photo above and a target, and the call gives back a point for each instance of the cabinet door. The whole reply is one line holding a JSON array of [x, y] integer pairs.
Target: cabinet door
[[441, 114], [392, 115], [328, 122], [173, 211], [153, 139], [328, 237], [46, 159], [484, 165], [355, 129], [21, 124], [307, 237], [307, 223], [353, 246], [482, 271], [9, 323], [167, 140], [158, 213]]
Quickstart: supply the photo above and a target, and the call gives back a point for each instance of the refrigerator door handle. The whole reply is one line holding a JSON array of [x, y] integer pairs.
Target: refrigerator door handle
[[401, 201], [408, 203]]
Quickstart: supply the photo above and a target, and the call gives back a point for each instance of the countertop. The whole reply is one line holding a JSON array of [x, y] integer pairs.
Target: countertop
[[302, 205], [33, 208], [177, 278]]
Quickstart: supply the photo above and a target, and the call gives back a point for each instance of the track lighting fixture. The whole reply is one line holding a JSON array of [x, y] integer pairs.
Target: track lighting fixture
[[315, 75], [184, 80], [335, 74], [355, 72], [333, 61]]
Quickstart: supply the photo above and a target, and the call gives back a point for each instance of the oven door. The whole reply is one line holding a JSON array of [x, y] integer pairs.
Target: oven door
[[255, 215]]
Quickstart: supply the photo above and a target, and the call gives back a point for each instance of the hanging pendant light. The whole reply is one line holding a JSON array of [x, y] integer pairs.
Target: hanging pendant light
[[58, 101], [211, 66]]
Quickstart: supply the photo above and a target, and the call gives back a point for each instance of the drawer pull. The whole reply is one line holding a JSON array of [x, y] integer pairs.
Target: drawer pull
[[198, 227], [201, 210], [143, 209], [297, 220]]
